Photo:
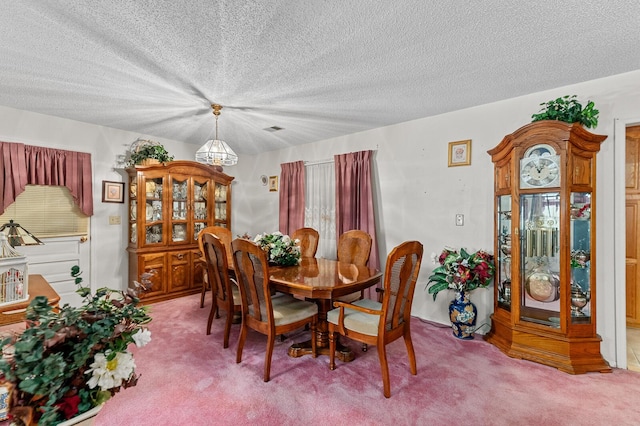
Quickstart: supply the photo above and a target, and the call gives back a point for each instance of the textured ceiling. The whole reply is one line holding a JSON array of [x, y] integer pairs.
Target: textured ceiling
[[318, 69]]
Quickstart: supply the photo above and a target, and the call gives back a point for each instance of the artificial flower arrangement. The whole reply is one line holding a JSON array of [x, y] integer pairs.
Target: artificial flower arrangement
[[282, 250], [461, 271], [70, 360]]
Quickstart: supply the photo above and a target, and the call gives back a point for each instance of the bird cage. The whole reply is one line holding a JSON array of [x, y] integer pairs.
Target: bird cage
[[14, 277]]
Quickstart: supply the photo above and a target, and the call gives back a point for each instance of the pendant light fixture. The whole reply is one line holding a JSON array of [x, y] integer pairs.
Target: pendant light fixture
[[216, 152]]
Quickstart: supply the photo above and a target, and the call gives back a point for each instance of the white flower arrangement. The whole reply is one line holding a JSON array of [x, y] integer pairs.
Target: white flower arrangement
[[282, 250]]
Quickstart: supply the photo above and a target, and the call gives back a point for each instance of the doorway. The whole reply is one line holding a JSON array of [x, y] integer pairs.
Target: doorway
[[632, 245]]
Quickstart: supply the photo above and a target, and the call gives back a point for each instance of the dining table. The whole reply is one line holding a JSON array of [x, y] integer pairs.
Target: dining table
[[322, 280]]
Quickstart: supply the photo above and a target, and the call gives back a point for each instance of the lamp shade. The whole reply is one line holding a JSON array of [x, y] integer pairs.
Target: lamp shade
[[18, 236], [216, 152]]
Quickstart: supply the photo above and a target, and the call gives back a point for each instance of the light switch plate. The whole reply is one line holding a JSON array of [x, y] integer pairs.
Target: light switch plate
[[459, 220]]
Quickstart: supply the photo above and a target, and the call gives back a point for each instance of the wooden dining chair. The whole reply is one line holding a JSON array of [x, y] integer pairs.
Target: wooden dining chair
[[225, 236], [380, 323], [224, 293], [260, 311], [308, 238], [354, 247]]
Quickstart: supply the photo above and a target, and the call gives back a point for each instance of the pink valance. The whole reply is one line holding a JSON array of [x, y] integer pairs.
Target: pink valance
[[25, 164]]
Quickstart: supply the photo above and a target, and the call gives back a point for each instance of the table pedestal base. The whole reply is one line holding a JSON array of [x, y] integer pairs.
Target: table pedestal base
[[343, 353]]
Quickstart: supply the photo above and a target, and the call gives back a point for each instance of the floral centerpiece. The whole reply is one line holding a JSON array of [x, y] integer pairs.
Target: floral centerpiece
[[281, 249], [463, 272], [70, 360]]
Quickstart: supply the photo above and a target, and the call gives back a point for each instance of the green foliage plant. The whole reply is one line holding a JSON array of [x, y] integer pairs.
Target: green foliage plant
[[569, 110], [49, 364], [156, 152]]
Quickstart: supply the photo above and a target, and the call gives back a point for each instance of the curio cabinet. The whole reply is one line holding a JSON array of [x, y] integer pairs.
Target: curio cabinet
[[169, 204], [545, 292]]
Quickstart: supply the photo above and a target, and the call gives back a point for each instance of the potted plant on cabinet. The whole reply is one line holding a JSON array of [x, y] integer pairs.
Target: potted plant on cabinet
[[147, 154], [462, 272], [568, 109]]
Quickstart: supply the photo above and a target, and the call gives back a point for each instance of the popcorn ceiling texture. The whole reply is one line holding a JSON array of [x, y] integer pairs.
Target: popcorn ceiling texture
[[318, 69]]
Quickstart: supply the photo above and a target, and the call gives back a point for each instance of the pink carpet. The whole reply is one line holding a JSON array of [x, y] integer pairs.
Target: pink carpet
[[189, 379]]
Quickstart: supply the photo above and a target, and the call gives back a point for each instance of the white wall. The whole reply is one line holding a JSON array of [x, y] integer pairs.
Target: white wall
[[417, 195]]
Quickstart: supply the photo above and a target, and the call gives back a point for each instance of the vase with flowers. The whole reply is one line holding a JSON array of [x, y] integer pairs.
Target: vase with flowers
[[282, 250], [70, 360], [462, 272]]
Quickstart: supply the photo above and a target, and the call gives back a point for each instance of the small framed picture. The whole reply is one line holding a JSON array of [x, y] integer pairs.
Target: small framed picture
[[460, 153], [273, 183], [112, 192]]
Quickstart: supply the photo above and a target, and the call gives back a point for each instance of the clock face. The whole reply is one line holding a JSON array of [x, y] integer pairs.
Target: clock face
[[539, 168]]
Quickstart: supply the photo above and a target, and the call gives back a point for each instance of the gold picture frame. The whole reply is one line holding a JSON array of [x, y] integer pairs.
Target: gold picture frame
[[460, 153], [112, 192], [273, 183]]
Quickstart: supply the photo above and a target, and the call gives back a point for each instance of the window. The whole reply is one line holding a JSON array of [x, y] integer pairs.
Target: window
[[47, 211], [320, 205]]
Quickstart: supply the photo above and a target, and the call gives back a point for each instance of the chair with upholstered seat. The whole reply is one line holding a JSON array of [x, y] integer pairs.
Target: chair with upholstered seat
[[225, 237], [224, 293], [380, 323], [354, 247], [260, 311], [308, 238]]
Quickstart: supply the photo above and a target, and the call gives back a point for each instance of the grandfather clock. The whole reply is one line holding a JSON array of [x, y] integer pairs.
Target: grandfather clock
[[545, 292]]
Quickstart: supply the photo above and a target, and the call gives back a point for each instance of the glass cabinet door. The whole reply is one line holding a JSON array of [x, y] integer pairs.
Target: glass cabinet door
[[179, 206], [133, 212], [503, 270], [539, 258], [152, 210], [221, 204], [200, 207], [580, 257]]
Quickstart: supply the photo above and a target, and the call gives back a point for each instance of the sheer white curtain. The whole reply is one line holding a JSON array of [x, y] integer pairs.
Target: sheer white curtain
[[320, 205]]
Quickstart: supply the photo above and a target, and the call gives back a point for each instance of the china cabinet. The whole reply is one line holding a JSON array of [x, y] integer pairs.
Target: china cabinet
[[169, 204], [545, 292]]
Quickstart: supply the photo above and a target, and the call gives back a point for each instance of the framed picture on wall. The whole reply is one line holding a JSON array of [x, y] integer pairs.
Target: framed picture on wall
[[460, 153], [112, 192], [273, 183]]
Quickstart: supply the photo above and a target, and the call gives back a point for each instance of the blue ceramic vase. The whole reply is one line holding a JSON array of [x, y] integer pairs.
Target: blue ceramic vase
[[463, 314]]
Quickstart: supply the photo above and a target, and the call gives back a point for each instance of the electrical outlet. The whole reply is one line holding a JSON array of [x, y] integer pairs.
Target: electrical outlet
[[459, 220], [114, 220]]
